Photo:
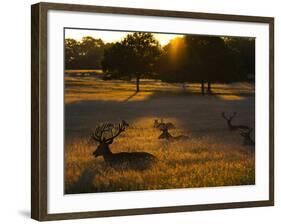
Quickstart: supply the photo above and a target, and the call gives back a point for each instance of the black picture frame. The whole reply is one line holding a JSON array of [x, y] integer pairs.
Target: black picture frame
[[39, 105]]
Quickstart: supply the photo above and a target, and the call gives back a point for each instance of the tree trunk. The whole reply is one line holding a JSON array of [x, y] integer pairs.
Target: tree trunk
[[202, 87], [209, 87], [138, 84]]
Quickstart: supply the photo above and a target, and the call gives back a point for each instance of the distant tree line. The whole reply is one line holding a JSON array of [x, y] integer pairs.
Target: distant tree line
[[191, 58], [84, 54]]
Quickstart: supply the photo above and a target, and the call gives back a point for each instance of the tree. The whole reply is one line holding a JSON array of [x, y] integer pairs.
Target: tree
[[208, 60], [200, 59], [71, 53], [171, 64], [243, 52], [115, 61], [84, 54], [134, 57], [91, 53]]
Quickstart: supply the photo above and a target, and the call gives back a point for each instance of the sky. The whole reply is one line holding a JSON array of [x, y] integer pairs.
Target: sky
[[112, 36]]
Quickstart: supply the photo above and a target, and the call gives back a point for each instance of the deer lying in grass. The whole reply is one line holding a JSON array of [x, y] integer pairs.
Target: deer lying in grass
[[105, 134], [166, 135], [159, 125], [247, 137], [230, 125]]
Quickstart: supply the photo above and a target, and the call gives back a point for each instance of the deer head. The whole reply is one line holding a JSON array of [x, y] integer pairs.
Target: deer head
[[247, 137], [156, 123], [246, 134], [163, 127], [165, 131], [104, 134], [229, 119]]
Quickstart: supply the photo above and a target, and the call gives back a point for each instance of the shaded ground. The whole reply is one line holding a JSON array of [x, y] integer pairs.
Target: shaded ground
[[92, 100]]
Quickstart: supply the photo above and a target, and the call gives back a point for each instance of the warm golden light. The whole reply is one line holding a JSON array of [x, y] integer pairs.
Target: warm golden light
[[113, 36], [176, 47]]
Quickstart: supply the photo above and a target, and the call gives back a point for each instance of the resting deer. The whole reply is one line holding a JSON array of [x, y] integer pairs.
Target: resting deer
[[122, 160], [166, 135], [230, 125], [247, 137], [159, 125]]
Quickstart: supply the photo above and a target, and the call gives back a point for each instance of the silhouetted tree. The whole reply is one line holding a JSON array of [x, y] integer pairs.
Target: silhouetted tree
[[71, 53], [203, 59], [91, 53], [208, 60], [84, 54], [243, 53], [172, 62], [133, 57]]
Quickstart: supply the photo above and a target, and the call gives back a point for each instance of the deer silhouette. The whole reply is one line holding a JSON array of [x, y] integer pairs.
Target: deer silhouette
[[104, 134], [166, 135], [230, 125], [247, 137], [159, 125]]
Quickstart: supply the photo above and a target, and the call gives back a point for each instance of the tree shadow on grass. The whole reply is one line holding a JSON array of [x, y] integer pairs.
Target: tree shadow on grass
[[131, 96], [197, 113]]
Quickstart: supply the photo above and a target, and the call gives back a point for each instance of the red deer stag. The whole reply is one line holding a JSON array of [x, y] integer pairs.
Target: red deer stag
[[166, 135], [159, 125], [230, 125], [105, 134], [247, 137]]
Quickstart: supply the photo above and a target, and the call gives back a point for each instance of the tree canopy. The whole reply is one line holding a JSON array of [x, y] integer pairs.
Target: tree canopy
[[133, 57], [84, 54]]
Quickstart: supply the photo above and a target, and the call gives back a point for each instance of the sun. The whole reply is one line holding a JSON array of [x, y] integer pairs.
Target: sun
[[177, 48]]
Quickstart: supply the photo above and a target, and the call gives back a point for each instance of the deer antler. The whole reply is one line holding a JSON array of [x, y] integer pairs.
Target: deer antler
[[106, 132], [125, 123], [163, 127], [223, 115], [230, 118], [233, 115], [100, 130], [247, 132], [118, 130]]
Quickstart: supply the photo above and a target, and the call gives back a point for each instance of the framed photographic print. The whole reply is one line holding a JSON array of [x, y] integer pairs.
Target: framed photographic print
[[138, 111]]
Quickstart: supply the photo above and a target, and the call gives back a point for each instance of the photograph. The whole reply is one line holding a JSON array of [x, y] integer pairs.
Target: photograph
[[157, 111]]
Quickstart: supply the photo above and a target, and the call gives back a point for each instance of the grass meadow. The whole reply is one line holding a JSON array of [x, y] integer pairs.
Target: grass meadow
[[212, 156]]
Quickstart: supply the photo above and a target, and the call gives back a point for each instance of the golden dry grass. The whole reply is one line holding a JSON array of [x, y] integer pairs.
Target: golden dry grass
[[198, 162]]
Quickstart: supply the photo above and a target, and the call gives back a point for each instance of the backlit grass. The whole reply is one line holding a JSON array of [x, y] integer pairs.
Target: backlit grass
[[198, 162]]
